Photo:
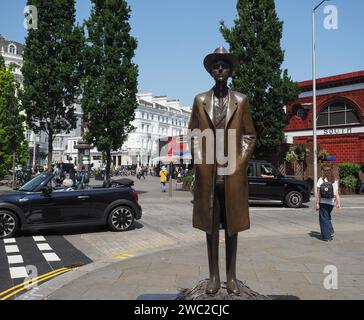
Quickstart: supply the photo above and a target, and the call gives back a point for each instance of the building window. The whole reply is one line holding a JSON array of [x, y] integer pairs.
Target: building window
[[338, 113], [12, 49]]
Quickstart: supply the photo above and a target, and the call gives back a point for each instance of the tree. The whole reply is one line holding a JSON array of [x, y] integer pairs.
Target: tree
[[2, 62], [51, 70], [13, 146], [255, 39], [110, 77]]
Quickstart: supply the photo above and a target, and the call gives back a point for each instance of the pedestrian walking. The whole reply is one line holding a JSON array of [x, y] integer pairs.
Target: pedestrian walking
[[163, 174], [327, 198], [361, 178], [82, 179], [142, 173]]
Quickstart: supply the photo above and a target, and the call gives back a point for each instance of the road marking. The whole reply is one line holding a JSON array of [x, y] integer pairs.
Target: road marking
[[125, 256], [51, 257], [39, 238], [12, 249], [15, 259], [18, 272], [44, 247], [30, 283], [11, 240], [31, 280]]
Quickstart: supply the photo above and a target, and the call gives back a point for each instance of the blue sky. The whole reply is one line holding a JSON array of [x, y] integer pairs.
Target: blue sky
[[174, 37]]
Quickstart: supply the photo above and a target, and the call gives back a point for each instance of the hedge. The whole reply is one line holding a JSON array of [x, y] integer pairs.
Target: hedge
[[349, 175]]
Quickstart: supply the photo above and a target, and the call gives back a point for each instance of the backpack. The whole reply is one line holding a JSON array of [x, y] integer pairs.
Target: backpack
[[327, 190]]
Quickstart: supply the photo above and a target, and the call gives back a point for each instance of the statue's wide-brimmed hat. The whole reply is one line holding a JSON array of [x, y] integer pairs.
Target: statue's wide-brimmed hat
[[220, 54]]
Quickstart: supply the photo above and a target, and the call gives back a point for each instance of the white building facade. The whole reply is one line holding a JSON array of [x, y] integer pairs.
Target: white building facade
[[155, 118], [12, 53]]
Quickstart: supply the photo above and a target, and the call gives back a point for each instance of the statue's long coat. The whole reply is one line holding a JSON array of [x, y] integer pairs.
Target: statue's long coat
[[238, 117]]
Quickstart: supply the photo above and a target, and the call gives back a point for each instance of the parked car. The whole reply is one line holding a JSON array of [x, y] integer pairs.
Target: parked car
[[38, 205], [267, 185]]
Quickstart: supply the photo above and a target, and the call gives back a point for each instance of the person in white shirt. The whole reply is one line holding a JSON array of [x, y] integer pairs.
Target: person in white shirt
[[326, 205]]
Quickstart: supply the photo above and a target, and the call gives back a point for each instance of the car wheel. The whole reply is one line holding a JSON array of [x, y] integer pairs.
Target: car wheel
[[9, 224], [121, 218], [294, 199]]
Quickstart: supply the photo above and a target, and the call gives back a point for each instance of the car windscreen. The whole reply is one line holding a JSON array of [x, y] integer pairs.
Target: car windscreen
[[34, 183]]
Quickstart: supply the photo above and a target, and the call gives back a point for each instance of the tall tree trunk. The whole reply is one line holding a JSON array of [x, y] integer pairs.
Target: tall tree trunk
[[50, 150], [14, 170], [108, 164]]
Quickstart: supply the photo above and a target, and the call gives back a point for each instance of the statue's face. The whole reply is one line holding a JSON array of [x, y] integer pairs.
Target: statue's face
[[221, 70]]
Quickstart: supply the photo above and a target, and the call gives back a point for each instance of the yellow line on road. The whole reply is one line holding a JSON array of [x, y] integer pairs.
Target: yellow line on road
[[124, 256], [32, 282]]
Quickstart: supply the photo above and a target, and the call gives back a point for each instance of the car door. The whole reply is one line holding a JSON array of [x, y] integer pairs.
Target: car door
[[272, 188], [101, 198], [253, 184], [267, 189], [58, 207]]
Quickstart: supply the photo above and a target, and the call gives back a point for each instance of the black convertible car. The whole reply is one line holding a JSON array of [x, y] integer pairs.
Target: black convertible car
[[38, 204]]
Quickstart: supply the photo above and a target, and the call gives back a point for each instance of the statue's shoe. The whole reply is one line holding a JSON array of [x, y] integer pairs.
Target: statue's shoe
[[213, 286], [232, 287]]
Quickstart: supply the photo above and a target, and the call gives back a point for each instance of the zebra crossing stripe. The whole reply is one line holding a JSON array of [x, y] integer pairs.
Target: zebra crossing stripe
[[44, 247], [12, 249], [11, 240], [51, 257], [18, 272], [15, 259], [39, 238]]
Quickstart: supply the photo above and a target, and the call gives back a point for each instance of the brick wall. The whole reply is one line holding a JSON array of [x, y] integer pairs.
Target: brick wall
[[354, 98], [345, 148]]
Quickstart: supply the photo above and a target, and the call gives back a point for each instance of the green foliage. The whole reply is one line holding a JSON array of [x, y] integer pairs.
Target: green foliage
[[12, 139], [349, 169], [349, 175], [188, 179], [255, 39], [291, 155], [349, 182], [51, 69], [2, 62], [110, 77]]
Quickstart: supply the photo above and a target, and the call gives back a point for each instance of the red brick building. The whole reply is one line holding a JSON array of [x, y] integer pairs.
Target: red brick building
[[340, 122]]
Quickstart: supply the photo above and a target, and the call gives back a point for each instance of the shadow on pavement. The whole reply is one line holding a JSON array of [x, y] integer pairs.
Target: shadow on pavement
[[315, 234], [75, 230], [273, 205]]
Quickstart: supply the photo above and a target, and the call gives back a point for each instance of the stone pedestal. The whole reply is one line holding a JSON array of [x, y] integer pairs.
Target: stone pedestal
[[84, 158]]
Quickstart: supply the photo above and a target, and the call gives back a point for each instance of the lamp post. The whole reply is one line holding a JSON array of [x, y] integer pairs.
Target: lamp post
[[314, 96]]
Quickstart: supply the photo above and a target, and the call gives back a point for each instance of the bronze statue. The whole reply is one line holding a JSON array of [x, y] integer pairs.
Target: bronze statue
[[222, 199]]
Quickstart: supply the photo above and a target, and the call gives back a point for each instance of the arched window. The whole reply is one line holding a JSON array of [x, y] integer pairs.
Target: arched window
[[12, 49], [338, 113]]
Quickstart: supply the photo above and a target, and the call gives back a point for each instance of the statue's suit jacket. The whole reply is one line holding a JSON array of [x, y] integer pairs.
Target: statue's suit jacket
[[238, 117]]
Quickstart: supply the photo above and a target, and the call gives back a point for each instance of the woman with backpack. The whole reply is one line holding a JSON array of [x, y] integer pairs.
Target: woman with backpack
[[327, 197]]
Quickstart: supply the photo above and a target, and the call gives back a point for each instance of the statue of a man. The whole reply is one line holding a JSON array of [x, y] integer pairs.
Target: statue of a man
[[221, 196]]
